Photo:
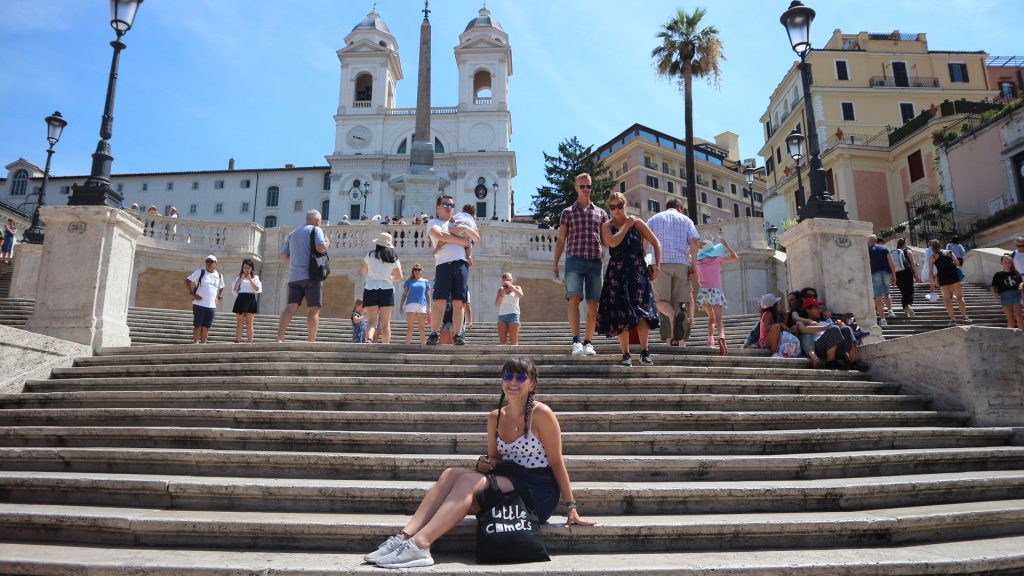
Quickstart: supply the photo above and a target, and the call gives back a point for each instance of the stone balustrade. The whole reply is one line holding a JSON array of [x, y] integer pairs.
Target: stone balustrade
[[194, 235]]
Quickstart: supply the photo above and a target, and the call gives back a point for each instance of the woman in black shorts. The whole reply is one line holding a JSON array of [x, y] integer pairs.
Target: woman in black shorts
[[381, 268], [947, 273]]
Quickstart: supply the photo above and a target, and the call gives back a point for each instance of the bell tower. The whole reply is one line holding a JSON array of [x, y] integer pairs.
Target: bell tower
[[370, 68], [484, 58]]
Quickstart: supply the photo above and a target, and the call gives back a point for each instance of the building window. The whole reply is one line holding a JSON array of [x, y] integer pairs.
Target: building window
[[732, 187], [622, 187], [167, 209], [747, 209], [719, 202], [958, 72], [438, 147], [219, 184], [218, 208], [120, 187], [841, 71], [704, 197], [653, 206], [403, 146], [906, 111], [916, 166], [193, 208], [481, 209], [652, 182], [270, 221], [848, 113], [624, 167], [245, 206], [195, 184], [170, 185], [20, 186], [297, 206], [298, 182], [145, 186], [778, 154], [769, 166], [272, 193], [705, 219], [736, 210], [325, 209], [246, 183], [65, 190], [327, 181], [670, 186]]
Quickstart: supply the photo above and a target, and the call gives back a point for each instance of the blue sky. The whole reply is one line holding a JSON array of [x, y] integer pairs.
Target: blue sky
[[257, 80]]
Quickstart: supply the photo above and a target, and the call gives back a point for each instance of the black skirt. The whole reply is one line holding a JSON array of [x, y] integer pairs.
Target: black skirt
[[246, 303]]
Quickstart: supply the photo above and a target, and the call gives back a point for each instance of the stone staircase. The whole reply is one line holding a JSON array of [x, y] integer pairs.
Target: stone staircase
[[6, 274], [297, 458]]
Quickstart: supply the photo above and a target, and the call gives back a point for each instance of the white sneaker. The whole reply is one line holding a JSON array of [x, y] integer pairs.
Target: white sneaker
[[890, 313], [577, 348], [882, 322], [588, 349], [389, 546], [407, 555], [910, 311]]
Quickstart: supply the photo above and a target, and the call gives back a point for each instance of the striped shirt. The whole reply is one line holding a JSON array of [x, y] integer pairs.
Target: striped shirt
[[583, 238], [675, 231]]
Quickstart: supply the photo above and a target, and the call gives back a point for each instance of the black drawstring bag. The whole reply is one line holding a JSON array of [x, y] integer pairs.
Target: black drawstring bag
[[507, 528], [319, 264]]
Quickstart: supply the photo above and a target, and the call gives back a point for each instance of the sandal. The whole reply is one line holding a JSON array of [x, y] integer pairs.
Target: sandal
[[723, 348], [711, 342], [673, 342]]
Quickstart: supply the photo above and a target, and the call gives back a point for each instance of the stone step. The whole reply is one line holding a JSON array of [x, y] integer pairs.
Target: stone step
[[443, 401], [426, 467], [411, 383], [587, 421], [996, 556], [716, 443], [598, 498], [632, 533], [582, 369]]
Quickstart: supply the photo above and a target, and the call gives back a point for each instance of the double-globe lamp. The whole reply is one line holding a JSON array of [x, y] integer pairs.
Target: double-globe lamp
[[55, 124], [97, 191], [795, 147]]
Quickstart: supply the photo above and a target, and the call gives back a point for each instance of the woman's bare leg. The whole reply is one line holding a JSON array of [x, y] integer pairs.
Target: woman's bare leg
[[947, 299], [385, 324], [513, 334], [502, 332], [371, 322]]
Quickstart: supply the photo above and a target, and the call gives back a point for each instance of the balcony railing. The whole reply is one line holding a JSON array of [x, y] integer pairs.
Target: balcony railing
[[669, 171], [907, 82], [412, 111], [174, 233], [361, 104], [483, 101]]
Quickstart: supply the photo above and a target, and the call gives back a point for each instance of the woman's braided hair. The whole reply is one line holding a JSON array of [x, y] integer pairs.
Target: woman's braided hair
[[519, 366]]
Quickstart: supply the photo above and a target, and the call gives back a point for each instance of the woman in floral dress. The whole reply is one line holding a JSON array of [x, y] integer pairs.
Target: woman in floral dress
[[627, 300]]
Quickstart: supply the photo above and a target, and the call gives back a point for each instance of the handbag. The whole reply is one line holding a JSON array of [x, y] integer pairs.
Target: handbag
[[319, 264], [507, 527]]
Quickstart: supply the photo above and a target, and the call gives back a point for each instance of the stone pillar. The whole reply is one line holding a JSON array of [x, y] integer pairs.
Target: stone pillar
[[832, 256], [85, 275], [755, 274], [26, 270]]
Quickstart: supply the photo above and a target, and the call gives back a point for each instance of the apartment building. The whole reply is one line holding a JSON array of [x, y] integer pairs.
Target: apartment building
[[650, 168], [876, 100]]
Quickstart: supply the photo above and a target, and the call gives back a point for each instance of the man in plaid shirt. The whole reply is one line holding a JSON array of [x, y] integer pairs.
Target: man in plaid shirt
[[579, 235]]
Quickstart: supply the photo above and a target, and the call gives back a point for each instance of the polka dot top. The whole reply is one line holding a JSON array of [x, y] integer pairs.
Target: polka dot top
[[527, 451]]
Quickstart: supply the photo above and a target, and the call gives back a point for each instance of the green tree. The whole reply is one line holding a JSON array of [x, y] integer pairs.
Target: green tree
[[688, 51], [560, 171]]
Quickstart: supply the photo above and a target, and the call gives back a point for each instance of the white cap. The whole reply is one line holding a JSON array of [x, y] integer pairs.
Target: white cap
[[211, 257], [768, 300]]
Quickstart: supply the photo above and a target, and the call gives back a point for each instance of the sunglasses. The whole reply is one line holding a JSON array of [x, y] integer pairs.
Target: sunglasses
[[585, 186], [447, 205], [520, 377], [616, 206]]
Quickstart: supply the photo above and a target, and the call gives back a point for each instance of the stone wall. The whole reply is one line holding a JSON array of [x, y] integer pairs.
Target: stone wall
[[543, 300], [27, 356], [972, 368], [1001, 236], [162, 289]]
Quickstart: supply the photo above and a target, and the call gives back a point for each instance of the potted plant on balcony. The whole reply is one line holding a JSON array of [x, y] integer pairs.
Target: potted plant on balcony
[[938, 137]]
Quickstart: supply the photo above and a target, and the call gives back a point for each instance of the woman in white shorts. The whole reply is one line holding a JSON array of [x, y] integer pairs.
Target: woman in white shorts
[[415, 304], [507, 302]]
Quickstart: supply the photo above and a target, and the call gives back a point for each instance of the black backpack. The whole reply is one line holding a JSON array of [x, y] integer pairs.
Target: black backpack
[[319, 264]]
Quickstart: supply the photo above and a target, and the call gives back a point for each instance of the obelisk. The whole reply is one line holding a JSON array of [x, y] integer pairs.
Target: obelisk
[[421, 158]]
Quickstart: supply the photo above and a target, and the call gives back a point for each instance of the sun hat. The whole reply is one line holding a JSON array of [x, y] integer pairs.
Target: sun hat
[[768, 300], [384, 239]]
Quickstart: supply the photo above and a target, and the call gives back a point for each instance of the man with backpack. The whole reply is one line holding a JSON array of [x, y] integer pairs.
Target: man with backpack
[[297, 251], [206, 288]]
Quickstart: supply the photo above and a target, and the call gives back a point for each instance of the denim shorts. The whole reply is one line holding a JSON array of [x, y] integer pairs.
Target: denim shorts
[[880, 282], [1009, 298], [510, 318], [583, 274]]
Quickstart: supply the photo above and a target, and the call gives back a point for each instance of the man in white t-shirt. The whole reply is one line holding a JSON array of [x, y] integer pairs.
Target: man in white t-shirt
[[206, 288], [451, 272]]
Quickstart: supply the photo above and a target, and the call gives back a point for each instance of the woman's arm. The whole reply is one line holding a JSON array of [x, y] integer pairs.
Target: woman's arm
[[547, 429], [365, 268], [518, 290], [612, 240], [499, 297], [651, 239], [487, 462], [396, 272], [257, 285], [401, 303]]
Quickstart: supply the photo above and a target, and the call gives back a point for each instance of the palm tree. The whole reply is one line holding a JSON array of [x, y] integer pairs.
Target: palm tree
[[689, 51]]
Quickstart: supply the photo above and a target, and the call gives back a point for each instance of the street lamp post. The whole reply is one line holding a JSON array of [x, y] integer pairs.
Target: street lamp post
[[773, 231], [494, 200], [748, 173], [795, 147], [797, 21], [366, 195], [54, 126], [97, 191]]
